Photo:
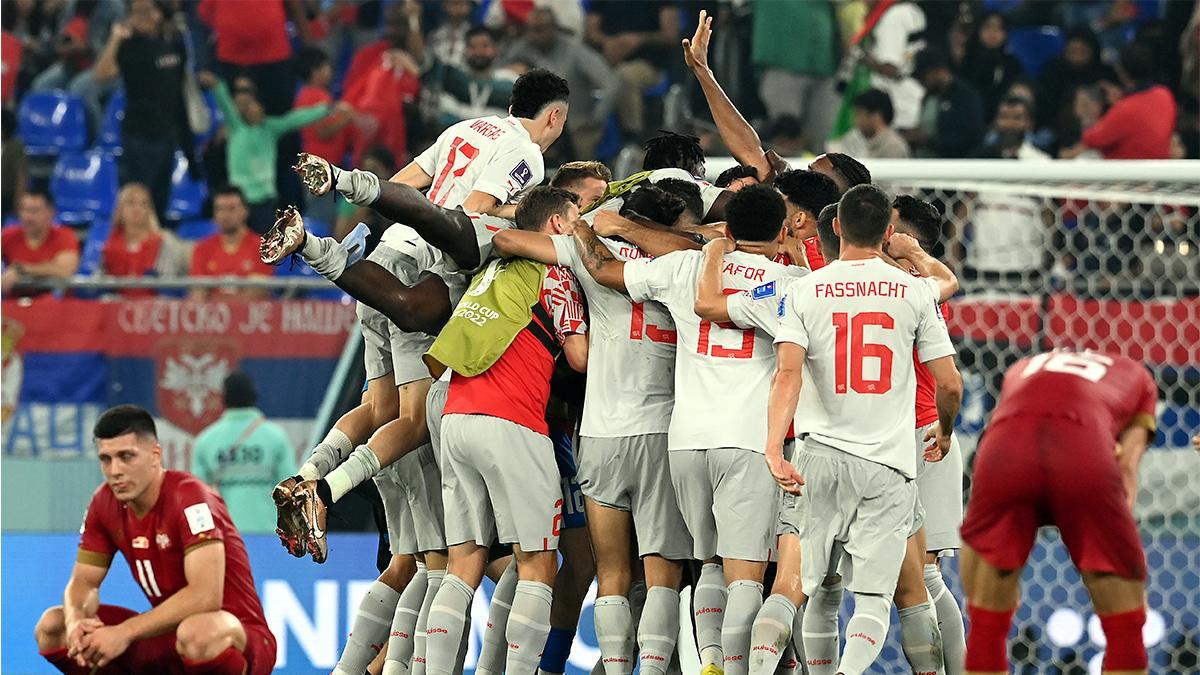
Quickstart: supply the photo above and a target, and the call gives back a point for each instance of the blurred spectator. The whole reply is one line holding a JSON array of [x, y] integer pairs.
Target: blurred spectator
[[637, 37], [1009, 137], [988, 66], [479, 88], [513, 16], [401, 30], [232, 251], [37, 26], [1078, 66], [37, 247], [892, 39], [252, 41], [149, 55], [1089, 106], [872, 135], [1140, 124], [797, 76], [448, 42], [785, 136], [14, 165], [951, 121], [737, 177], [73, 52], [379, 161], [243, 456], [137, 245], [594, 88], [381, 97], [252, 142], [331, 137], [1170, 255]]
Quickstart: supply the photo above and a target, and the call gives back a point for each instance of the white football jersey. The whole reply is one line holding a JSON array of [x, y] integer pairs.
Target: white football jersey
[[708, 193], [722, 373], [489, 154], [631, 353], [859, 321]]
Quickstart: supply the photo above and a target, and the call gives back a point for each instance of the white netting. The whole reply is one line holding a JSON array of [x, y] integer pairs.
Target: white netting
[[1050, 259]]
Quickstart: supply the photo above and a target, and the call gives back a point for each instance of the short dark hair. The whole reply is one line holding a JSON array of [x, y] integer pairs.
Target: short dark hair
[[124, 419], [535, 90], [735, 173], [1136, 60], [807, 190], [309, 60], [930, 58], [229, 191], [382, 155], [755, 213], [851, 170], [831, 243], [669, 150], [38, 192], [653, 203], [240, 391], [573, 172], [1013, 99], [479, 30], [864, 213], [876, 101], [540, 203], [921, 219], [686, 190]]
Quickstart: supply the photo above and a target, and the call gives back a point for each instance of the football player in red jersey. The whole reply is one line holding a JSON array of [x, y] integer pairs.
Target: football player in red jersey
[[1047, 459], [186, 556]]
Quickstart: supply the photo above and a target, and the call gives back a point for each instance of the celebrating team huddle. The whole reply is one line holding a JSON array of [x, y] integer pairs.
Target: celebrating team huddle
[[726, 377]]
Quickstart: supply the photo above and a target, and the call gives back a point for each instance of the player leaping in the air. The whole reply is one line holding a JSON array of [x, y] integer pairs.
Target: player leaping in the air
[[186, 556], [1047, 459]]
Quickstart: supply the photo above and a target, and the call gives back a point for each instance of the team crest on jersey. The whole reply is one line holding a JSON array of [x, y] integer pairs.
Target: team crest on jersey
[[162, 540], [140, 542], [522, 174], [764, 291], [190, 375]]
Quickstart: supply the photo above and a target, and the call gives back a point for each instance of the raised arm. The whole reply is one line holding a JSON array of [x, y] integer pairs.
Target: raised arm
[[711, 302], [655, 241], [737, 134], [904, 247], [599, 261]]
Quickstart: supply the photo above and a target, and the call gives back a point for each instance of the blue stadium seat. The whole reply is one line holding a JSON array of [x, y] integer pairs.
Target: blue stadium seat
[[93, 248], [84, 185], [110, 129], [52, 122], [195, 230], [1035, 45], [187, 195]]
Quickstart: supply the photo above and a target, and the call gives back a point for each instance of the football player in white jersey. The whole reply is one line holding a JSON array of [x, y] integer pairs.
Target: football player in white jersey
[[623, 445], [721, 484], [848, 330]]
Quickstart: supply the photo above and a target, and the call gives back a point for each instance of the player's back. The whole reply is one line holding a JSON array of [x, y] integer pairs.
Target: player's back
[[859, 321], [491, 154], [1103, 391]]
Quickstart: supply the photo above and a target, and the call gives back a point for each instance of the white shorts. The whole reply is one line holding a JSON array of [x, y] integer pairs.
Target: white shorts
[[389, 349], [940, 489], [499, 483], [435, 403], [729, 501], [858, 506], [630, 473]]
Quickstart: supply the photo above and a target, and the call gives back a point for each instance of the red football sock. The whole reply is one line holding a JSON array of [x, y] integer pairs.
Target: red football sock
[[987, 649], [228, 662], [65, 664], [1123, 633]]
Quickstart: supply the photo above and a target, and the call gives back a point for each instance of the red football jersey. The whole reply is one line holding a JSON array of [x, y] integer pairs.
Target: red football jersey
[[1103, 391], [187, 514]]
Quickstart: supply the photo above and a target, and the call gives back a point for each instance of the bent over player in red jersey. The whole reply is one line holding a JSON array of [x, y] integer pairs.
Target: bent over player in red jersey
[[186, 556], [1047, 459]]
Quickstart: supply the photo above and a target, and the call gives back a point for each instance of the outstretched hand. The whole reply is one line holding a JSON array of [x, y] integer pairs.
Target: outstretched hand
[[695, 49]]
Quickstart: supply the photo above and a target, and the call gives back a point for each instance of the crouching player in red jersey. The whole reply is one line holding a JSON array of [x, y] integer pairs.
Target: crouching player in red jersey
[[1047, 459], [184, 552]]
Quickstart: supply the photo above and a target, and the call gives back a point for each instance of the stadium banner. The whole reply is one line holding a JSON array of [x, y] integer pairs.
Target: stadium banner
[[310, 607], [66, 360]]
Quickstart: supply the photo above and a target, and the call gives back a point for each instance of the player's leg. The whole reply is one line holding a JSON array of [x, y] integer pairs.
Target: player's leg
[[404, 621], [772, 630], [745, 509], [212, 642], [446, 624], [1121, 605], [571, 585], [819, 629], [920, 635], [949, 614], [529, 618], [435, 565], [494, 650], [694, 495], [435, 561], [940, 486], [992, 597]]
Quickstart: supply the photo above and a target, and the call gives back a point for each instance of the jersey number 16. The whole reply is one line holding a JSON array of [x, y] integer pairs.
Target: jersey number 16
[[852, 349]]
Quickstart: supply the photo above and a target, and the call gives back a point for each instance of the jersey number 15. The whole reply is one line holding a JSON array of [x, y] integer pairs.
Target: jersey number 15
[[851, 350]]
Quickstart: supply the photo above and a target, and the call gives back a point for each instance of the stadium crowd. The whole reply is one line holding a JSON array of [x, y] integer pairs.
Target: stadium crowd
[[189, 103]]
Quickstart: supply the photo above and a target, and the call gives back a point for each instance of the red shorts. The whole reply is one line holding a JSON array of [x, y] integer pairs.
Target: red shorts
[[158, 655], [1050, 471]]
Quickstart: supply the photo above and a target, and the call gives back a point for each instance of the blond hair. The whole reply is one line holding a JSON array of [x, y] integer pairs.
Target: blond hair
[[126, 192], [572, 172]]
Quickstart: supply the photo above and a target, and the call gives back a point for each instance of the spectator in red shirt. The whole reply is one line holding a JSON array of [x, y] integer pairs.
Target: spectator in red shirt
[[331, 137], [138, 246], [1139, 126], [232, 251], [37, 246]]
